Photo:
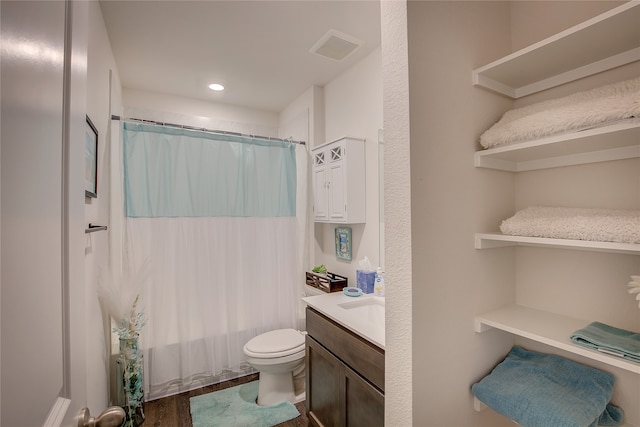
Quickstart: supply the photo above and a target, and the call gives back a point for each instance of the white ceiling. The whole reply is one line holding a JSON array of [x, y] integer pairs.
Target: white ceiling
[[259, 50]]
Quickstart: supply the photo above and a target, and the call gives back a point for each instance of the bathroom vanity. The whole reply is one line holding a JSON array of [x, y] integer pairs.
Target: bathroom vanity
[[344, 369]]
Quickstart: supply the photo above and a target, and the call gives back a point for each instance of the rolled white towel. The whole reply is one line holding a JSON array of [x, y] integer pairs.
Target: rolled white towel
[[600, 225]]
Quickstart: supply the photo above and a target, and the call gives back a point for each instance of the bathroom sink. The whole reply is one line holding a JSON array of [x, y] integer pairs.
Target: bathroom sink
[[363, 315], [368, 309]]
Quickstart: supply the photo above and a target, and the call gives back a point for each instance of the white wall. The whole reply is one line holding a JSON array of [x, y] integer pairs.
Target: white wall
[[557, 15], [397, 215], [103, 91], [353, 107], [311, 103], [449, 203], [185, 111]]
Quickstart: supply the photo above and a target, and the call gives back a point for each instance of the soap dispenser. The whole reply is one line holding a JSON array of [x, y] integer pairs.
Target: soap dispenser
[[378, 285]]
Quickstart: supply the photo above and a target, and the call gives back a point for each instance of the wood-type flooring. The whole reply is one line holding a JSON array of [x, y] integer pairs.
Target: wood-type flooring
[[173, 411]]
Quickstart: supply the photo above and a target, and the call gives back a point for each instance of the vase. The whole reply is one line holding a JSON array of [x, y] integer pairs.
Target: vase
[[130, 377]]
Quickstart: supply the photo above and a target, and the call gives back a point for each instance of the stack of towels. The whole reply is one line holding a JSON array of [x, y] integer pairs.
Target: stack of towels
[[543, 390]]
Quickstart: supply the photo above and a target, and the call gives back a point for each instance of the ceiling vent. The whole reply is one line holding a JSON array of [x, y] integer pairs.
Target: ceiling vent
[[336, 45]]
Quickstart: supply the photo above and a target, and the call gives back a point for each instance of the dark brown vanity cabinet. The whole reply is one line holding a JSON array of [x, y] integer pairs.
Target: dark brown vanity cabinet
[[344, 376]]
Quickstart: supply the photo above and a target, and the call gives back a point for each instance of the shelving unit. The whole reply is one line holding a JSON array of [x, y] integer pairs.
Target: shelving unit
[[614, 142], [497, 240], [547, 328], [604, 42]]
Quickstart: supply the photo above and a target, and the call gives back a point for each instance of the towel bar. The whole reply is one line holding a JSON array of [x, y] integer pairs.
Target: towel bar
[[92, 228]]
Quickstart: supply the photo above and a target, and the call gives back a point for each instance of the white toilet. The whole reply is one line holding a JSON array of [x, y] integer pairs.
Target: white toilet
[[279, 358], [277, 355]]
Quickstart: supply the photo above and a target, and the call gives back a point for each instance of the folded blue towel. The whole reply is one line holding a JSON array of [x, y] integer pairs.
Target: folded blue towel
[[610, 340], [543, 390]]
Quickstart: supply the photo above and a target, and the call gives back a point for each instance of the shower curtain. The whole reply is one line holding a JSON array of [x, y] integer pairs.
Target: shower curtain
[[215, 216]]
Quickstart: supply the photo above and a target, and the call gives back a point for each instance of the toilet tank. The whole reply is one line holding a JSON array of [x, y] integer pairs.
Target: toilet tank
[[309, 291]]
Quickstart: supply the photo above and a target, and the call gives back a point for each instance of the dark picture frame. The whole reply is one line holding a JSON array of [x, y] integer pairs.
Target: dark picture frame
[[91, 160]]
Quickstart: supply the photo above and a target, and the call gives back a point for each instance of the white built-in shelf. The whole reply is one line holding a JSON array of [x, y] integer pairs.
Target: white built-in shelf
[[609, 40], [479, 406], [497, 240], [613, 142], [547, 328]]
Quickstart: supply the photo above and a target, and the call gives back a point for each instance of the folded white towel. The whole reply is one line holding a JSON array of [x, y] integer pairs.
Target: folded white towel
[[601, 225], [582, 110]]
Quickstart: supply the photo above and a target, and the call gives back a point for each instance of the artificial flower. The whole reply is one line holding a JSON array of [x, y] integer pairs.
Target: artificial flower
[[634, 287], [120, 297]]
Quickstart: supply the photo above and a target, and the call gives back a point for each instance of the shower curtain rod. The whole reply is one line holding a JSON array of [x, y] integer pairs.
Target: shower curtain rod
[[219, 132]]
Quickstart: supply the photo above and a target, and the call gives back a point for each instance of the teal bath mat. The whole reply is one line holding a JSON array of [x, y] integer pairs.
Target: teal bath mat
[[236, 406]]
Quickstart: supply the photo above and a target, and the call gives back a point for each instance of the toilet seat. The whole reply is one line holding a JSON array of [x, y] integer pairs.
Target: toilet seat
[[272, 344]]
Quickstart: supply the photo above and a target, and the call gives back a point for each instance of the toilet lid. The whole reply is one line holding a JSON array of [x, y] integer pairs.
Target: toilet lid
[[278, 341]]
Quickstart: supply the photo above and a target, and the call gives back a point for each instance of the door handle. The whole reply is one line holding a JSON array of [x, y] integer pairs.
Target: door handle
[[111, 417]]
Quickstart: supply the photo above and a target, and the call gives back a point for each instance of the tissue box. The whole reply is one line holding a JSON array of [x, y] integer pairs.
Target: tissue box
[[364, 280]]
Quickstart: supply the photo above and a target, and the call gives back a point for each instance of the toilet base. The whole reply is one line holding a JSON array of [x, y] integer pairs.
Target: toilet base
[[275, 388]]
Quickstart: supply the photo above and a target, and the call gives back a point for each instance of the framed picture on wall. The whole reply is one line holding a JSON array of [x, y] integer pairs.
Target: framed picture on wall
[[91, 160], [343, 243]]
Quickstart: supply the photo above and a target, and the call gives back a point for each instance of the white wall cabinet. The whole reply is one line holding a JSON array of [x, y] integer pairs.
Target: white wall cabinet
[[614, 142], [339, 181]]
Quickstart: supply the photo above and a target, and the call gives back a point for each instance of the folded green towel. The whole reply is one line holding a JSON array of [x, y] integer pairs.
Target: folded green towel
[[610, 340]]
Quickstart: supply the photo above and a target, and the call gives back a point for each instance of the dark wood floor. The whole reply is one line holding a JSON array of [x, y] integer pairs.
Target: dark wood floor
[[173, 411]]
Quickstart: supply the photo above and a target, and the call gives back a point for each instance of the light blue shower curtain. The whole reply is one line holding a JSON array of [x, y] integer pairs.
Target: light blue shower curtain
[[215, 215], [173, 172]]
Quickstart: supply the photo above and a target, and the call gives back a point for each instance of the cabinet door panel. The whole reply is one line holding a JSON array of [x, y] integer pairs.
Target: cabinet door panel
[[337, 202], [364, 403], [325, 386], [320, 196]]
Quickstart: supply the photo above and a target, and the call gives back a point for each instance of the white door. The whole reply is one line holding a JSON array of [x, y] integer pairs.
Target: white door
[[42, 335]]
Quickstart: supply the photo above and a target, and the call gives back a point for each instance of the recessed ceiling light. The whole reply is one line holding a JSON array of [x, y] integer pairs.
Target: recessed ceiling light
[[216, 87]]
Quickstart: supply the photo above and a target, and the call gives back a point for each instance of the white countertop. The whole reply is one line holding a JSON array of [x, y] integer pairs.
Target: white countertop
[[369, 324]]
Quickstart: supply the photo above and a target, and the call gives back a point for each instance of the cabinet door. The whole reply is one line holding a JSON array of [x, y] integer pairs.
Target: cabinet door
[[364, 403], [337, 202], [325, 386], [320, 194]]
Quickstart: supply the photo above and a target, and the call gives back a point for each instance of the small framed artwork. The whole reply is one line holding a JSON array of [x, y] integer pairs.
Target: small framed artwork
[[343, 243], [91, 160]]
